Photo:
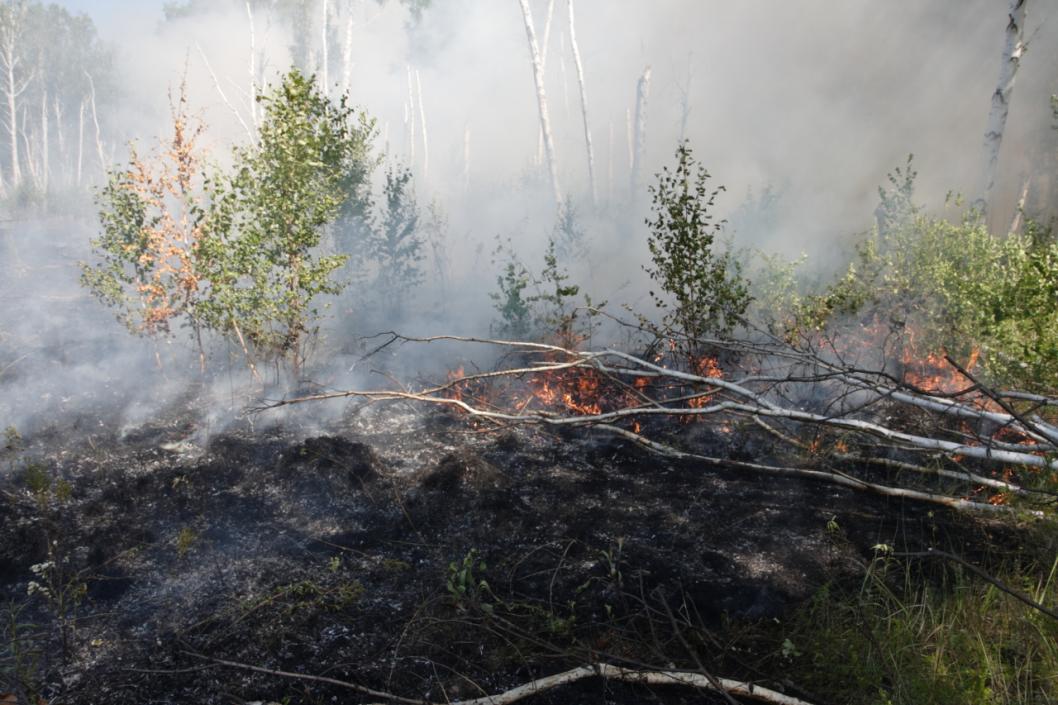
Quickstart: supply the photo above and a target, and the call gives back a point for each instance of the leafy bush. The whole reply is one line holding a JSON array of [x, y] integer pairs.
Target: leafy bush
[[549, 312], [266, 220], [511, 300], [702, 292], [957, 287], [151, 217], [236, 252], [396, 245]]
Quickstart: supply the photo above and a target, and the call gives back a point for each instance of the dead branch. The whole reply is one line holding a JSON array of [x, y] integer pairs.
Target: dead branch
[[878, 411], [602, 670]]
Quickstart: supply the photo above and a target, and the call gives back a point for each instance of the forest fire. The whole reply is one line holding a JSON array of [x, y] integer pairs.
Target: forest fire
[[582, 391], [425, 374], [934, 374]]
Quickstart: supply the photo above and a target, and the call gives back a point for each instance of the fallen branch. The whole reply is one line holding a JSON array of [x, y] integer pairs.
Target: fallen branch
[[602, 670], [860, 406]]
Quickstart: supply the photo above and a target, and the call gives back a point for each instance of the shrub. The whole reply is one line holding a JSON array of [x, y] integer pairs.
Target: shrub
[[957, 287], [701, 292], [236, 252], [267, 219], [151, 217], [396, 244]]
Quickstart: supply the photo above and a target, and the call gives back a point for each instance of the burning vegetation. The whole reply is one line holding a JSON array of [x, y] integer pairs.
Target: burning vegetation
[[731, 480]]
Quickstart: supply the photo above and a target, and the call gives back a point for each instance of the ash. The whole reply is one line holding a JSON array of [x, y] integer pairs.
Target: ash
[[398, 548]]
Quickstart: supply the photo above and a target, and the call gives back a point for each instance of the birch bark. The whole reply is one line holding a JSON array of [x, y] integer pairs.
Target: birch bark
[[422, 125], [642, 93], [541, 101], [325, 59], [583, 103], [1013, 50], [253, 67], [11, 21]]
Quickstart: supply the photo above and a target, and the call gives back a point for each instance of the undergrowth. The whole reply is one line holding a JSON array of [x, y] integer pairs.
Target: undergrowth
[[909, 635]]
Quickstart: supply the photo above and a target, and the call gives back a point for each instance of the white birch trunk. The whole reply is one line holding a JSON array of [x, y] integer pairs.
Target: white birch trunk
[[11, 93], [80, 142], [642, 93], [324, 51], [347, 54], [583, 103], [422, 123], [409, 119], [10, 35], [60, 140], [252, 66], [544, 51], [44, 155], [103, 163], [466, 158], [1019, 210], [562, 71], [30, 156], [541, 101], [1013, 50]]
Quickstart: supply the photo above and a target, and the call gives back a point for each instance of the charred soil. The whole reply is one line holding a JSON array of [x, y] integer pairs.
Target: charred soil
[[408, 552]]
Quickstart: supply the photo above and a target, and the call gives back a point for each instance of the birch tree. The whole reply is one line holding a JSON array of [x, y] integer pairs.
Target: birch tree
[[541, 100], [583, 102], [639, 129], [1013, 49], [15, 79]]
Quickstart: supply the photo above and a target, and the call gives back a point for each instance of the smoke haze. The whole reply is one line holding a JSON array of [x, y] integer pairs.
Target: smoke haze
[[815, 100]]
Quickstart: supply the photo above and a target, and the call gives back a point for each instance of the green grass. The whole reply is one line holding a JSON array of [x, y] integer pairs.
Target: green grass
[[903, 637]]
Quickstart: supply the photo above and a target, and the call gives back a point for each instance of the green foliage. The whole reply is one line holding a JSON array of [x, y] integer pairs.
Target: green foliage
[[938, 285], [22, 661], [556, 314], [957, 287], [261, 252], [465, 584], [511, 301], [895, 206], [238, 252], [396, 245], [702, 292], [116, 280], [549, 312], [569, 240], [776, 291], [898, 640]]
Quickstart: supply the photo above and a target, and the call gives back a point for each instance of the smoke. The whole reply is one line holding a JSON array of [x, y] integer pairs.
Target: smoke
[[814, 100]]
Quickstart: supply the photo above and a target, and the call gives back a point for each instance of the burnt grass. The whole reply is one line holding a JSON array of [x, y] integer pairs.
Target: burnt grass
[[407, 551]]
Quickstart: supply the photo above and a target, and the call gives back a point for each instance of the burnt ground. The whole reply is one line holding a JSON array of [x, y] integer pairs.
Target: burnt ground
[[403, 550]]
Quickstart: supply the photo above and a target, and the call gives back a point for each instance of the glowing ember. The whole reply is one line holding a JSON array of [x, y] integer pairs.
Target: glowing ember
[[708, 367]]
